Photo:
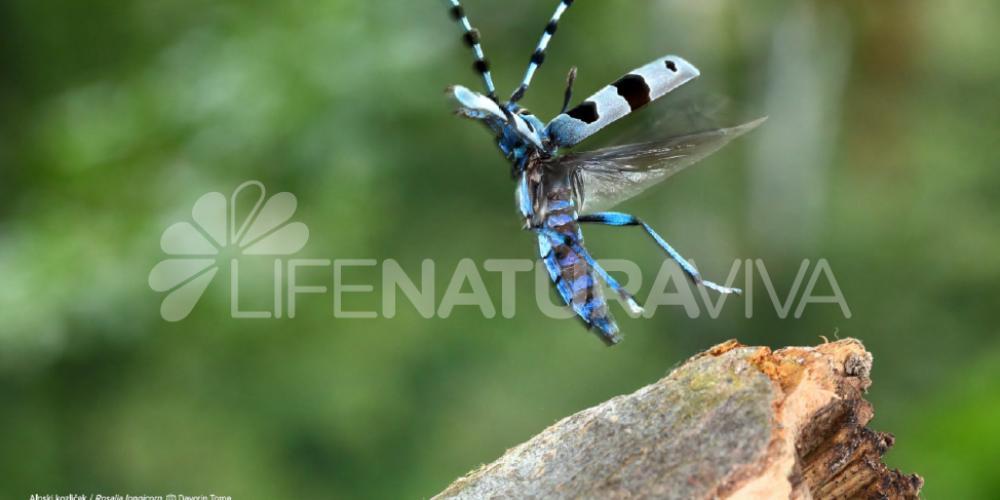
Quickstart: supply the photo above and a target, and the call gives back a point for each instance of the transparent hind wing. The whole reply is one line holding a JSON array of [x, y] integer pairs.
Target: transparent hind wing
[[606, 177]]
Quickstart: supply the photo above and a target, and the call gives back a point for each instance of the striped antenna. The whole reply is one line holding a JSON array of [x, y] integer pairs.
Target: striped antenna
[[538, 57], [471, 38]]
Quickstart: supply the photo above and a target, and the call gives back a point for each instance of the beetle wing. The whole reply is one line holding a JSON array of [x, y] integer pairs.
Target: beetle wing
[[606, 177]]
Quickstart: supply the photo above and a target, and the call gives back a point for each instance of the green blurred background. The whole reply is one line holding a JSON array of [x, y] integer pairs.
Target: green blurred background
[[880, 156]]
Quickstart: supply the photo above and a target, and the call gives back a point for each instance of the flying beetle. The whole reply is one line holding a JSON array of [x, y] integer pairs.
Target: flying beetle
[[556, 193]]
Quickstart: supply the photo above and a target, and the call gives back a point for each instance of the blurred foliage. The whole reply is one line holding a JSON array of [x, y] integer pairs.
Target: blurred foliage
[[879, 155]]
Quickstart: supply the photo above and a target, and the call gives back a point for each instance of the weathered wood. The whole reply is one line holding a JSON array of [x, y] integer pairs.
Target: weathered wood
[[735, 422]]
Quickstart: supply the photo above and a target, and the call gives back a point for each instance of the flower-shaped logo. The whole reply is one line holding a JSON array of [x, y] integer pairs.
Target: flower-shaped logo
[[187, 277]]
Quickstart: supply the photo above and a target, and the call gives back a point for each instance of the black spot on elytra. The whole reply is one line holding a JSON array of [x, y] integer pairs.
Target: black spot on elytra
[[585, 112], [634, 89], [671, 66]]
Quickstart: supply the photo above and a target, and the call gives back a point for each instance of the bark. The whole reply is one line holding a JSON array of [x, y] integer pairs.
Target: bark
[[735, 422]]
